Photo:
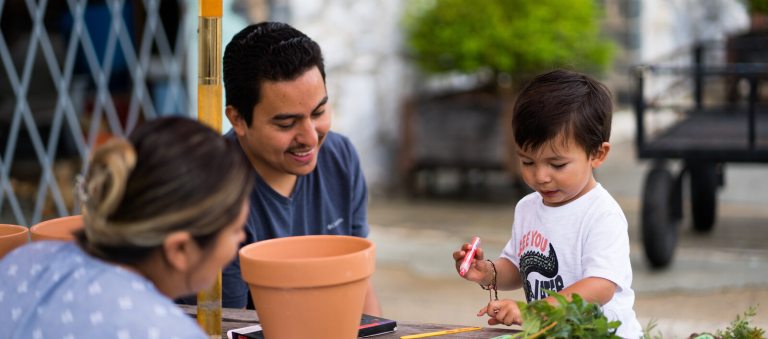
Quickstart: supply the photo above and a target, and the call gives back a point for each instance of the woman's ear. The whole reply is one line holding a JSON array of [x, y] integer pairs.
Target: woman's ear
[[180, 250], [599, 156]]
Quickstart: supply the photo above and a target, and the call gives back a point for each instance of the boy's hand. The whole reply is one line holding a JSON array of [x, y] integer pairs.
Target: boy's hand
[[502, 312], [475, 273]]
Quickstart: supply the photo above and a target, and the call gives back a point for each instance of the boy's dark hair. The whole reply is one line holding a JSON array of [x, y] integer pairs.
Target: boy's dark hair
[[563, 103], [268, 51]]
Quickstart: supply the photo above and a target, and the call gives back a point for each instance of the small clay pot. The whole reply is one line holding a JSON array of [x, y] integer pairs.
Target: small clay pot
[[12, 236], [310, 286], [57, 229]]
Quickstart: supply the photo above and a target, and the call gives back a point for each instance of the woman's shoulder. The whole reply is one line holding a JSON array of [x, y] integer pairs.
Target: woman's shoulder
[[155, 322], [38, 252], [132, 307], [159, 320]]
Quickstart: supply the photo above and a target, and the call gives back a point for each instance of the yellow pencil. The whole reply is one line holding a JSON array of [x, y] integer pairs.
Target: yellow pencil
[[432, 334]]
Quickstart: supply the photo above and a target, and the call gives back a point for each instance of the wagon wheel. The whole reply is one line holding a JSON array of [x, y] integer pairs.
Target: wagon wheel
[[662, 201], [704, 182]]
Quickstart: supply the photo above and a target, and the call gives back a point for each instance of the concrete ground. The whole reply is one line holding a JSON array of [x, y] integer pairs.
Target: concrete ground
[[713, 278]]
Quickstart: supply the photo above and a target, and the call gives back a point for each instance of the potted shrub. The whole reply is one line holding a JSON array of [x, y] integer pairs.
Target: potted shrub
[[497, 45], [750, 46], [758, 10], [511, 39]]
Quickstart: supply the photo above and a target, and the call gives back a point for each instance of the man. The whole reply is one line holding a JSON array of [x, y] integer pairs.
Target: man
[[309, 179]]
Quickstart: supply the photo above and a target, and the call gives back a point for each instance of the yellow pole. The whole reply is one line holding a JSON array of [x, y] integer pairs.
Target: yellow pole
[[209, 112], [209, 64]]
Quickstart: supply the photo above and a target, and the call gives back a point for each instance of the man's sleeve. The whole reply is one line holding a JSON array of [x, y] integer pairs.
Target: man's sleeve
[[359, 199], [234, 291]]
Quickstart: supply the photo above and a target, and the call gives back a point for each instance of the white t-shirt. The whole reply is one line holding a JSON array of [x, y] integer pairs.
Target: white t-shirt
[[554, 247]]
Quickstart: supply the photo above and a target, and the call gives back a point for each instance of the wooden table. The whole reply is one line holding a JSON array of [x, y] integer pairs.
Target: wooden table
[[237, 318]]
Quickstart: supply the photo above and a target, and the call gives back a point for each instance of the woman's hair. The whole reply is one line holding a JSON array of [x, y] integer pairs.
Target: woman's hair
[[563, 103], [171, 174]]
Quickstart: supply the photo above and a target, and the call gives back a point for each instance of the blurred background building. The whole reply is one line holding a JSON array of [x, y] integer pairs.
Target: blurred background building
[[76, 72], [423, 89]]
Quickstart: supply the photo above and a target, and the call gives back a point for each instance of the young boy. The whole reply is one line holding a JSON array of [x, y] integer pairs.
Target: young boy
[[570, 235]]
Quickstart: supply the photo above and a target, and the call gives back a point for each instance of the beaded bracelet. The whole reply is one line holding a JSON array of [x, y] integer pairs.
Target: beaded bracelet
[[493, 293]]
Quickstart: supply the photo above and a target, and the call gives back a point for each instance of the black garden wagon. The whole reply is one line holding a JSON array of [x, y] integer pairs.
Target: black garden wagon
[[715, 114]]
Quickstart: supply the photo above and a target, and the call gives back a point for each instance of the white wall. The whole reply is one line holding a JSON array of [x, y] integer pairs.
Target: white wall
[[366, 75], [669, 25]]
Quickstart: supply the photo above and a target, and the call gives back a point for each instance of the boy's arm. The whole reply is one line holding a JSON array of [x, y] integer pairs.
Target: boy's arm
[[507, 275], [592, 289]]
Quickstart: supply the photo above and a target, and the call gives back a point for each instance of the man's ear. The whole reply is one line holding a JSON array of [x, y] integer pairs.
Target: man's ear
[[180, 250], [600, 155], [237, 121]]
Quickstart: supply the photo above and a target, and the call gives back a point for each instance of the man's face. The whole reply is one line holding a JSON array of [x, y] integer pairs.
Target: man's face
[[289, 126]]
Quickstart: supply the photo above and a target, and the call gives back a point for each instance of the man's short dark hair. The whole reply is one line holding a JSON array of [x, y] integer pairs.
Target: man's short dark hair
[[564, 103], [268, 51]]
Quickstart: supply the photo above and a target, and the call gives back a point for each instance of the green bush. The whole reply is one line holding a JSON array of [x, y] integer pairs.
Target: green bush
[[519, 38], [740, 328], [758, 6]]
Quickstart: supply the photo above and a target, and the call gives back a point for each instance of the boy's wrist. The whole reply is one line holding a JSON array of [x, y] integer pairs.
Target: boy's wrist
[[490, 286], [489, 277]]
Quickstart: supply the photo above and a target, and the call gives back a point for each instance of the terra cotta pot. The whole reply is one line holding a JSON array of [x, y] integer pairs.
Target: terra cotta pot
[[310, 286], [57, 229], [12, 236]]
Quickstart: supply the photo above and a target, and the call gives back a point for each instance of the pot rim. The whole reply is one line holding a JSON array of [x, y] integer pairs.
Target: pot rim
[[18, 228], [68, 223], [295, 272]]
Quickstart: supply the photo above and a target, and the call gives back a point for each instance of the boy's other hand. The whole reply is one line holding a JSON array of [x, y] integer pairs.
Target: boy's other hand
[[502, 312]]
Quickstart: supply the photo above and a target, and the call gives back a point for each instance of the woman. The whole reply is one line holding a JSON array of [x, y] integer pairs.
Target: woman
[[163, 213]]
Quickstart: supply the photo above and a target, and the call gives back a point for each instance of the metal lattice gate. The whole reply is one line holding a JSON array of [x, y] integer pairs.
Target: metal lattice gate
[[75, 73]]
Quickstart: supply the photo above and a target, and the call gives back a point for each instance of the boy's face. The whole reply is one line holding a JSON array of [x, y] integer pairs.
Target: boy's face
[[560, 172], [289, 126]]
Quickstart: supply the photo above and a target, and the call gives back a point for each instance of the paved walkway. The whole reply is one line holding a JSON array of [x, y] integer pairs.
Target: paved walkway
[[713, 278]]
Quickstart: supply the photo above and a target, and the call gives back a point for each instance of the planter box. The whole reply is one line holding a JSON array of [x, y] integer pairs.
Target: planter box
[[463, 132]]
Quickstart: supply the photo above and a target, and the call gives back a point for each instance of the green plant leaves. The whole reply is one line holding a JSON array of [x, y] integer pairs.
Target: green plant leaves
[[569, 319], [514, 37], [741, 328]]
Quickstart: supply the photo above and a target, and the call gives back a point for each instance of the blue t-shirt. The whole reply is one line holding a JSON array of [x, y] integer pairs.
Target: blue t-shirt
[[332, 199], [52, 289]]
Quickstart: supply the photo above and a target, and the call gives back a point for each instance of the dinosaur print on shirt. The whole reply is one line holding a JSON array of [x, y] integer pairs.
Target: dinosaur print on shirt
[[546, 266]]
